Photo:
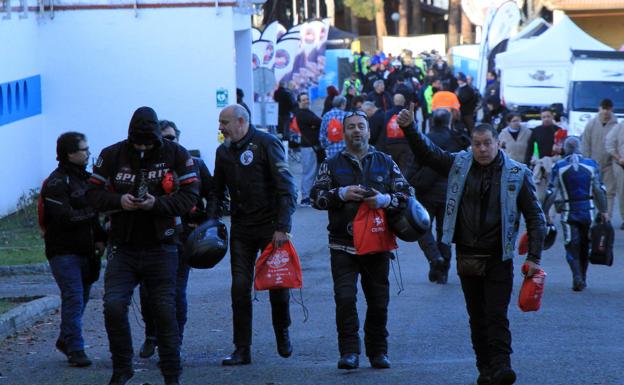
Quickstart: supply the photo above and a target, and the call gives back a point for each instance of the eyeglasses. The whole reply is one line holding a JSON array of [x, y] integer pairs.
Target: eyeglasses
[[86, 149], [170, 137]]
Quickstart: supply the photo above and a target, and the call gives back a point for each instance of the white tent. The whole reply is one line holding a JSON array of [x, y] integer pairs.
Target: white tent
[[543, 62]]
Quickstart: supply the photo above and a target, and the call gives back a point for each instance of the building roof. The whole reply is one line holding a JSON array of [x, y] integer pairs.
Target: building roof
[[578, 5]]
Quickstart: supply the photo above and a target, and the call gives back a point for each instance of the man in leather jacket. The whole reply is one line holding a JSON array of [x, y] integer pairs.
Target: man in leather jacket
[[74, 240], [252, 166], [128, 182], [359, 174], [486, 193]]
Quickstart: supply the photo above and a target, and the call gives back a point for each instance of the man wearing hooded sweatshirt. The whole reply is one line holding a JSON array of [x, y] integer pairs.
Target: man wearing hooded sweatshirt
[[74, 240], [127, 182]]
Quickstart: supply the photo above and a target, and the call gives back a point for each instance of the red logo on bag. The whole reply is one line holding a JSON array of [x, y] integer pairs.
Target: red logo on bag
[[393, 131], [334, 131]]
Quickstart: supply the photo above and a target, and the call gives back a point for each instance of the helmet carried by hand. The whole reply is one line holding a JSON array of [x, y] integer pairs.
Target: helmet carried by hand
[[207, 245], [411, 223]]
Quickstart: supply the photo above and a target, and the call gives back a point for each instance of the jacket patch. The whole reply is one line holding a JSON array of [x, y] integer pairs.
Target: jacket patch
[[247, 157]]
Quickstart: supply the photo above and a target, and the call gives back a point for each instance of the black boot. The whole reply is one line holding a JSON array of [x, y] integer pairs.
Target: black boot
[[503, 376], [379, 361], [61, 347], [79, 359], [121, 377], [241, 356], [148, 348], [172, 380], [485, 377], [349, 361], [284, 347], [435, 265]]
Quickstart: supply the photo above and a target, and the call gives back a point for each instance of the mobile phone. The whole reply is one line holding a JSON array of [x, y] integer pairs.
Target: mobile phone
[[369, 192], [138, 200]]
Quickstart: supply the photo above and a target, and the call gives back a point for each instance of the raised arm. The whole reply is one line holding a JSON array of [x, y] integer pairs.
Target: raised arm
[[425, 151]]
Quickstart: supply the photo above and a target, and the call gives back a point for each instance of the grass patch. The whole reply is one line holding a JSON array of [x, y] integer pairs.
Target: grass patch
[[20, 239], [7, 304]]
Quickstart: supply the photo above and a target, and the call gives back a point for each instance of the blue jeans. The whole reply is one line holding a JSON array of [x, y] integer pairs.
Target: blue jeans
[[308, 171], [156, 268], [70, 272], [181, 303]]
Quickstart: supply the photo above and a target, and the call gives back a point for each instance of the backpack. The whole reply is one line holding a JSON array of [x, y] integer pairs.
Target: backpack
[[393, 131], [334, 131]]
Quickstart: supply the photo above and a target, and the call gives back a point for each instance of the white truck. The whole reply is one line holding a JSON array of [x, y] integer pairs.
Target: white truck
[[594, 75]]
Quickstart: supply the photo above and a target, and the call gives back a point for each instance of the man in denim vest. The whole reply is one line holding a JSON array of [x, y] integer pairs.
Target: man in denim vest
[[486, 193]]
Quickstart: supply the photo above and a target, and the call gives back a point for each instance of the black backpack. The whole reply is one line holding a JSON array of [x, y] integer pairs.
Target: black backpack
[[602, 235]]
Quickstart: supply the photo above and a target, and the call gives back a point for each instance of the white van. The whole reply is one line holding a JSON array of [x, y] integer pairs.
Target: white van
[[594, 75]]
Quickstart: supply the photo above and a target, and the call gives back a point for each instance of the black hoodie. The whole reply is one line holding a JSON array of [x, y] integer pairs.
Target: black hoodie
[[117, 171]]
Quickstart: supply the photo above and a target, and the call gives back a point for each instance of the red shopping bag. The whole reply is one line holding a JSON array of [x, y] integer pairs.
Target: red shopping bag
[[278, 269], [523, 245], [530, 298], [371, 231]]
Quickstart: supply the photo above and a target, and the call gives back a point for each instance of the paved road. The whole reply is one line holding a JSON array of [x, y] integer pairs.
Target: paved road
[[576, 339]]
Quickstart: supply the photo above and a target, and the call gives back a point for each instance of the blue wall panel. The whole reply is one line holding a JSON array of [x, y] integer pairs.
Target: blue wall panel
[[20, 99]]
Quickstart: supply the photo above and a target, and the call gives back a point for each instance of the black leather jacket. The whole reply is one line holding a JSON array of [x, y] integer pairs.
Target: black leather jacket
[[478, 219], [255, 172], [71, 224], [376, 170]]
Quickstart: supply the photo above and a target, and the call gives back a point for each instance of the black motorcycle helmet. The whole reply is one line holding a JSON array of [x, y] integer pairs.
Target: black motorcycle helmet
[[207, 245], [411, 223], [551, 236]]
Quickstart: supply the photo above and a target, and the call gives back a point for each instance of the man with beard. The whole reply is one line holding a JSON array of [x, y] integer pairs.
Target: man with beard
[[252, 166], [359, 174], [127, 181], [486, 193]]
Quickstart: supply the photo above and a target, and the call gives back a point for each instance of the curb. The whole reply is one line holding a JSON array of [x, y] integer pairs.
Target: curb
[[25, 315], [30, 269]]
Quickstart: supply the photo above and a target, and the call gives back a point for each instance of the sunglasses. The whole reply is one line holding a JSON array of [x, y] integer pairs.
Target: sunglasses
[[86, 149], [170, 137], [354, 113]]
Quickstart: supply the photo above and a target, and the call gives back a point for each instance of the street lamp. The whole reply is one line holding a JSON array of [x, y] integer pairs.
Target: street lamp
[[395, 17]]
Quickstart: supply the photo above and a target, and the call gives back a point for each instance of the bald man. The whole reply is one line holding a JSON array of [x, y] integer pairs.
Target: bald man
[[252, 166], [392, 141]]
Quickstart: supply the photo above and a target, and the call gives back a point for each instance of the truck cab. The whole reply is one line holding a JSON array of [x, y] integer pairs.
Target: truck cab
[[595, 75]]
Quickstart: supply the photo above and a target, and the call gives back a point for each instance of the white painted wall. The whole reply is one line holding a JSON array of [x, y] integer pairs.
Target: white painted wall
[[21, 141], [98, 66]]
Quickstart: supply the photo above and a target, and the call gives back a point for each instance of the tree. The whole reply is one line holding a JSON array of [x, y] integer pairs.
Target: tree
[[403, 4], [380, 22], [454, 22], [416, 26], [370, 9]]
